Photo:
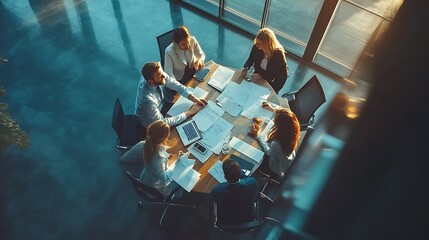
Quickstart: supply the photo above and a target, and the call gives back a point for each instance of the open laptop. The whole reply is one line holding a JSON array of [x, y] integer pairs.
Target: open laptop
[[189, 132]]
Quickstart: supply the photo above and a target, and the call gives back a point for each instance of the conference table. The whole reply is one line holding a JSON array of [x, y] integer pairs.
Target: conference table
[[240, 130]]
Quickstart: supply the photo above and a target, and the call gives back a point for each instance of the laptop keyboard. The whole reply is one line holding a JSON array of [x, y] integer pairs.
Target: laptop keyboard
[[190, 131]]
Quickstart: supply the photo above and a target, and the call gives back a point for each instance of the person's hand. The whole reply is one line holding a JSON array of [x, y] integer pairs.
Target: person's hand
[[243, 73], [256, 76], [201, 101], [198, 64], [267, 106], [254, 128], [194, 109]]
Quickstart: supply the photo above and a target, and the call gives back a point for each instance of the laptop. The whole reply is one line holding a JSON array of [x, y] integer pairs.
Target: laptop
[[189, 132]]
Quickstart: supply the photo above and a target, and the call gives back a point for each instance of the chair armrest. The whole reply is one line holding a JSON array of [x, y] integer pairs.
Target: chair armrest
[[289, 94]]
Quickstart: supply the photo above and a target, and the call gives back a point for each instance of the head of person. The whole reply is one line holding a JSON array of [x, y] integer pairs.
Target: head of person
[[152, 72], [157, 135], [181, 37], [286, 130], [266, 41], [231, 170]]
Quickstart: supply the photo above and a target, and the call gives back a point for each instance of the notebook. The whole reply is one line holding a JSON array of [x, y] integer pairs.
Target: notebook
[[220, 78], [201, 74], [189, 132]]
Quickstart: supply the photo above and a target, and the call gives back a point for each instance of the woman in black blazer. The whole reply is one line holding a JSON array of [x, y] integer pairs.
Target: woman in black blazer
[[268, 59]]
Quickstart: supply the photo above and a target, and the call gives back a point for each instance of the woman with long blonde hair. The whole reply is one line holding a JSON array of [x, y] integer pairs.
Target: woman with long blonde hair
[[155, 158], [268, 59], [282, 140]]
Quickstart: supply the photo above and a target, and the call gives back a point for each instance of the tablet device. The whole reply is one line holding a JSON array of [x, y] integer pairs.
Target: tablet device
[[201, 74]]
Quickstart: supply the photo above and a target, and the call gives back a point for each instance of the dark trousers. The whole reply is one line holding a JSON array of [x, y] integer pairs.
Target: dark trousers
[[187, 76]]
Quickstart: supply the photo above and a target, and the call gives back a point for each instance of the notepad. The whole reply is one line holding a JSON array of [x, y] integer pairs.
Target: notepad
[[202, 74], [246, 149]]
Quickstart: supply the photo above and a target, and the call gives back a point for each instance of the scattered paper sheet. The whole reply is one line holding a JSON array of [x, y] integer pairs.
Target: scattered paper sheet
[[216, 133], [217, 172], [183, 172], [207, 116], [183, 104], [247, 149]]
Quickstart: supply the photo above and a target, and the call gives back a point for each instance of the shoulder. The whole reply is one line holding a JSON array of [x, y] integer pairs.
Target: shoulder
[[279, 54], [249, 181], [170, 48]]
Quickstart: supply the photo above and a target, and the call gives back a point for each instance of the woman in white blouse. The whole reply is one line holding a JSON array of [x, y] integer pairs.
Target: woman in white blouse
[[155, 157], [282, 140], [184, 56]]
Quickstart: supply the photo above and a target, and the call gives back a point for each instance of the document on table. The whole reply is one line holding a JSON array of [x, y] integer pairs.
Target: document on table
[[267, 128], [216, 133], [255, 89], [246, 149], [183, 104], [217, 172], [207, 116], [256, 110], [221, 77], [202, 157], [233, 99], [183, 172]]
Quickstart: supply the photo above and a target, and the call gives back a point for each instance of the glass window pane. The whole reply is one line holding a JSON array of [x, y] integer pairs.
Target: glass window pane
[[208, 6], [245, 14], [294, 20], [347, 36], [385, 8]]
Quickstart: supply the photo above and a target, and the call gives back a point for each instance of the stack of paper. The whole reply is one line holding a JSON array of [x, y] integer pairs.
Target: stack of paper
[[220, 78], [233, 99], [184, 174], [255, 109], [217, 172]]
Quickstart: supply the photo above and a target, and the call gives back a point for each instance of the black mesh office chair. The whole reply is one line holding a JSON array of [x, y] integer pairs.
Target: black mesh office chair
[[163, 41], [150, 194], [127, 127], [272, 189], [306, 101], [242, 227]]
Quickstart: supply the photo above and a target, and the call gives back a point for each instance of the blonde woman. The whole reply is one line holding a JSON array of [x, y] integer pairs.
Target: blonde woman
[[155, 157], [268, 59], [282, 140]]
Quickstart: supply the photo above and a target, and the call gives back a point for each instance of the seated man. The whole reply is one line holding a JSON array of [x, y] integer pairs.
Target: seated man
[[235, 199], [150, 101]]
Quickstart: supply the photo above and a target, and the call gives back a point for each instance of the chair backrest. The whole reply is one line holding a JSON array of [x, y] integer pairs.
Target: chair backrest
[[163, 41], [145, 192], [118, 118], [307, 100], [241, 227]]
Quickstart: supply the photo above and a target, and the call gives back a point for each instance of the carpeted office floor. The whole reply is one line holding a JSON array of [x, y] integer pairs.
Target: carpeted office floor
[[69, 61]]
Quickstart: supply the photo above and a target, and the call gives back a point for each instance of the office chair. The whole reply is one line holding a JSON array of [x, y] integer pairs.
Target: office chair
[[127, 127], [276, 186], [306, 101], [241, 227], [238, 228], [163, 41], [150, 194]]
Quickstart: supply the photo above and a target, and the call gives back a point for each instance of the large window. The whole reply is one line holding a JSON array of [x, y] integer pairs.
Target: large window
[[334, 34], [293, 22]]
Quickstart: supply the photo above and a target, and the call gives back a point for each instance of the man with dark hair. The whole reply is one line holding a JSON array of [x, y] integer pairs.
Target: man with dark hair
[[235, 199], [150, 101]]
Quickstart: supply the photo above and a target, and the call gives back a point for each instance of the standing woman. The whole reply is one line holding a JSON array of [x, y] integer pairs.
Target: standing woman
[[155, 157], [282, 140], [184, 56], [268, 59]]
